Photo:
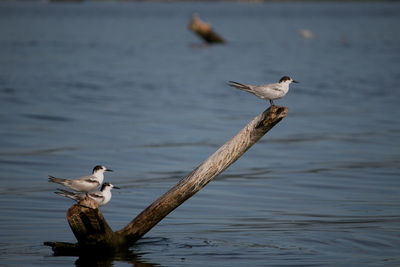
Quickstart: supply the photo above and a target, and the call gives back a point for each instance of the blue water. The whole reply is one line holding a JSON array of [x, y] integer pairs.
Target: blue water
[[127, 85]]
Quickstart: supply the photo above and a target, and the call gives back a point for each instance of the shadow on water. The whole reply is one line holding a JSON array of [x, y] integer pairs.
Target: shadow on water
[[108, 260]]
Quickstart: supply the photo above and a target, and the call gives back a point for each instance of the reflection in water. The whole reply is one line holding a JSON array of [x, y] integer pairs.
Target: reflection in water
[[102, 258], [109, 260]]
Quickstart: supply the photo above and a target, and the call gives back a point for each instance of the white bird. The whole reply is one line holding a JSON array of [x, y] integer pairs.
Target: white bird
[[267, 91], [85, 183], [102, 197]]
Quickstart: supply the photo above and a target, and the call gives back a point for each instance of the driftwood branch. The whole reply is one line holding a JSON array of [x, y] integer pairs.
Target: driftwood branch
[[202, 175], [204, 30], [92, 231]]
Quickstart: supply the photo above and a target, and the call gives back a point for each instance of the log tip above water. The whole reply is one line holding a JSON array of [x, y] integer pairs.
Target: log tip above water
[[272, 116], [204, 30]]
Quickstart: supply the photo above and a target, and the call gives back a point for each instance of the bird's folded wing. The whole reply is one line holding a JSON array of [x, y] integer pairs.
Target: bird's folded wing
[[96, 196], [89, 179], [278, 89], [66, 191]]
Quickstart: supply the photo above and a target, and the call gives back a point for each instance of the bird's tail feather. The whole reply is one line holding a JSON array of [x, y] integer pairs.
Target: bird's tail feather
[[239, 86], [58, 180], [68, 194]]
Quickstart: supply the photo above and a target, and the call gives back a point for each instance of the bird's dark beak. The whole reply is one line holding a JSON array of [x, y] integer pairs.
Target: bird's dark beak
[[295, 81], [108, 170], [116, 187]]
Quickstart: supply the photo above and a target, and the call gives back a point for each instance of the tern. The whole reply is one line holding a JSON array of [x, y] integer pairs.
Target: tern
[[267, 91], [85, 183], [102, 197]]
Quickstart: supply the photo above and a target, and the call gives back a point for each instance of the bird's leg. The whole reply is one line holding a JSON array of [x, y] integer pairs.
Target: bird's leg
[[271, 102]]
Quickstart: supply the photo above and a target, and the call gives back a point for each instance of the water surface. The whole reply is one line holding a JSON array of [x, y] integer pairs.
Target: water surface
[[128, 86]]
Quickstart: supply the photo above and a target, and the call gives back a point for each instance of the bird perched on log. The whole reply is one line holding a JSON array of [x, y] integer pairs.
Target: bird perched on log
[[102, 197], [86, 183], [269, 92]]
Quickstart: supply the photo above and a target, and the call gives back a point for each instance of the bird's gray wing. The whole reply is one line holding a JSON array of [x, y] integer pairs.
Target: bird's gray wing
[[66, 191], [276, 88], [68, 194], [97, 196], [89, 179], [95, 181]]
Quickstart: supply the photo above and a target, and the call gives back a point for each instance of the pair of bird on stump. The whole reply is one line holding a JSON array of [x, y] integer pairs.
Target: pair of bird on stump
[[83, 186]]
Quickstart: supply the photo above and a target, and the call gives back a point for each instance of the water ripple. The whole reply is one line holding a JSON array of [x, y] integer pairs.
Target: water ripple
[[37, 151], [46, 117]]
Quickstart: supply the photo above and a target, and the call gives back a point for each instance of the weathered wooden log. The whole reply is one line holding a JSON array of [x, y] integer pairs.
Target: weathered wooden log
[[91, 230], [204, 30], [202, 175], [89, 226]]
